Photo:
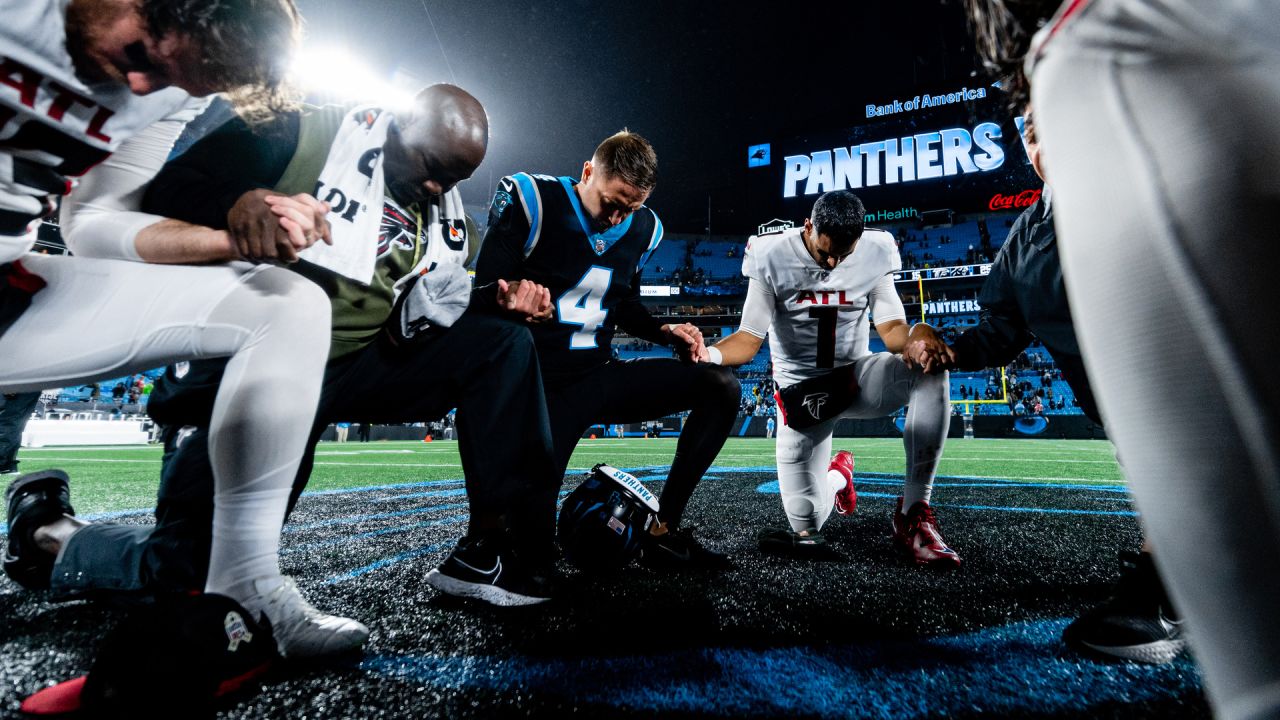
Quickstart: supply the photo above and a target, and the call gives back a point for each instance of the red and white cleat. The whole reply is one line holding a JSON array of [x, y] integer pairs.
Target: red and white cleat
[[847, 496], [917, 538]]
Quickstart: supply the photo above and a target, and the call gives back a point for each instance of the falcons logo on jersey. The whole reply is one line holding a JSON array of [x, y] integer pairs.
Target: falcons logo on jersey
[[397, 228], [814, 402]]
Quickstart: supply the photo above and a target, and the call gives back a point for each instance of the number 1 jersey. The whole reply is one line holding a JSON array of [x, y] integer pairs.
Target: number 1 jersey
[[821, 316]]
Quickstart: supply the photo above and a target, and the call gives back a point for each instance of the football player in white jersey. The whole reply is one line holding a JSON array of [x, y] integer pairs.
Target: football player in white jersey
[[81, 78], [812, 290]]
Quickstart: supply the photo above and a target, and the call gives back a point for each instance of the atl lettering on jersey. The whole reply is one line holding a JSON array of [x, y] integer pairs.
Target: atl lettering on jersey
[[73, 113]]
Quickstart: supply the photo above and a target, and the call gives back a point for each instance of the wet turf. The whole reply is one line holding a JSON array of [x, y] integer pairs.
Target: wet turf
[[866, 637]]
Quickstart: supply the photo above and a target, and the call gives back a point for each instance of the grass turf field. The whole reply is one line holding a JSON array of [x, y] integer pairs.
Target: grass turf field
[[1038, 523]]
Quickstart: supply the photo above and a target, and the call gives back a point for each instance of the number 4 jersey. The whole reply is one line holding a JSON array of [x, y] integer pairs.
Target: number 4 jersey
[[539, 231], [821, 316]]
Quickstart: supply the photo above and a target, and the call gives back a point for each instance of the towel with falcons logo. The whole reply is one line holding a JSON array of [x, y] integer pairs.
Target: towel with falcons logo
[[353, 183], [353, 168]]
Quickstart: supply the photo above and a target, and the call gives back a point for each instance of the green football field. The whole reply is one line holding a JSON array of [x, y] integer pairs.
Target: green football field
[[108, 479]]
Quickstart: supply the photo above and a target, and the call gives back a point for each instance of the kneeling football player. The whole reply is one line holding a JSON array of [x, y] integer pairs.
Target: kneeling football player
[[811, 289], [586, 241]]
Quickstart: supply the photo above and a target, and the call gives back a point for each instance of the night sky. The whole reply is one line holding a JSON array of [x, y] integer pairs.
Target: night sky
[[701, 80]]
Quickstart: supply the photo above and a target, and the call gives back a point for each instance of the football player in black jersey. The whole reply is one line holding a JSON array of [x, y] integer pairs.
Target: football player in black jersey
[[587, 240]]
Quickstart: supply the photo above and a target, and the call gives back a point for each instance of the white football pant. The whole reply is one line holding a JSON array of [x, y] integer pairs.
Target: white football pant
[[886, 384], [99, 319]]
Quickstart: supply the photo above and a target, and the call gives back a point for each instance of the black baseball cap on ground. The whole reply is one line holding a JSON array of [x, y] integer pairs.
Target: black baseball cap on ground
[[173, 659]]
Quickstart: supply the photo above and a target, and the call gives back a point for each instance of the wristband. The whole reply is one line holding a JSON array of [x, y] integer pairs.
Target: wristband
[[714, 356]]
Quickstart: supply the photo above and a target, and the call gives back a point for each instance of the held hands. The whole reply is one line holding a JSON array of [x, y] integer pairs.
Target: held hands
[[686, 340], [927, 351], [526, 298], [269, 227]]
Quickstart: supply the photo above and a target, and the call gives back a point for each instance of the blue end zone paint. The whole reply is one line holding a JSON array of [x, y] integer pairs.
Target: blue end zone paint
[[999, 482], [375, 488], [452, 520], [353, 519], [897, 480], [663, 477], [771, 488], [429, 494], [386, 562], [1061, 511], [1018, 669], [394, 559], [720, 469]]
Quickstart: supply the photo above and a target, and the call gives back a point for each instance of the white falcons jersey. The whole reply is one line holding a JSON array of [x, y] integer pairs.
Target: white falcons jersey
[[821, 316], [52, 125]]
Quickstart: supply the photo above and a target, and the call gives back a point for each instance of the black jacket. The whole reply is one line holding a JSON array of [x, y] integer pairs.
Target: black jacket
[[1024, 296]]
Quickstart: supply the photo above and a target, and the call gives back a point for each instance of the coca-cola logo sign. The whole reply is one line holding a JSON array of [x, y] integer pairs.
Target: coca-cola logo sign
[[1024, 199]]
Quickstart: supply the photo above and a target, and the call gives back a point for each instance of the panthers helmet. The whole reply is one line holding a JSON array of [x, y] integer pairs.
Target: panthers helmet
[[603, 520]]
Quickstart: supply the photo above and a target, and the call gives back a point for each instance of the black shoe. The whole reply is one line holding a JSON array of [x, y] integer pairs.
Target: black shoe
[[33, 500], [677, 549], [788, 543], [485, 567], [1136, 623]]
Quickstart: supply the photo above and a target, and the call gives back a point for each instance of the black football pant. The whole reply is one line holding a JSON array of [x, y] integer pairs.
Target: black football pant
[[485, 366], [629, 391], [15, 411]]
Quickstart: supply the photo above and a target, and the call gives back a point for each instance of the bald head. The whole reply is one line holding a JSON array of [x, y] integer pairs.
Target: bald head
[[440, 142]]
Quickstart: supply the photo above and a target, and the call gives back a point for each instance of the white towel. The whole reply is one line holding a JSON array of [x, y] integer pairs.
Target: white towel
[[352, 181]]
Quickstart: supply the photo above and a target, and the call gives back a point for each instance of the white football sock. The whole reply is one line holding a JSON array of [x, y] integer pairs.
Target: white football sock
[[928, 413], [261, 421]]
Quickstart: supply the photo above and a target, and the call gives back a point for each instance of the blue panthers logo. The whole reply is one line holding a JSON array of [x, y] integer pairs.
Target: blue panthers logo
[[501, 200]]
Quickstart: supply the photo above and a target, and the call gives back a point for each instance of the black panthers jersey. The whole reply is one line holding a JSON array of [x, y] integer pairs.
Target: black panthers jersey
[[539, 231]]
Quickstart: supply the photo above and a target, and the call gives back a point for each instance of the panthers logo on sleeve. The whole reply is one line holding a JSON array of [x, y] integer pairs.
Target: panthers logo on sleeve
[[502, 198]]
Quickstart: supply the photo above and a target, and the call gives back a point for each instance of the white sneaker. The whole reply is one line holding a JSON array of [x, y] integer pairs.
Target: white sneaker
[[300, 630]]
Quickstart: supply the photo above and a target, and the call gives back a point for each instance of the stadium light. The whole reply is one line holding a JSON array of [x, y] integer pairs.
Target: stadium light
[[334, 74]]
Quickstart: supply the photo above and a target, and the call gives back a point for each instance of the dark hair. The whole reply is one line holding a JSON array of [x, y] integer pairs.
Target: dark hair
[[247, 45], [628, 157], [1029, 127], [1002, 32], [839, 215]]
